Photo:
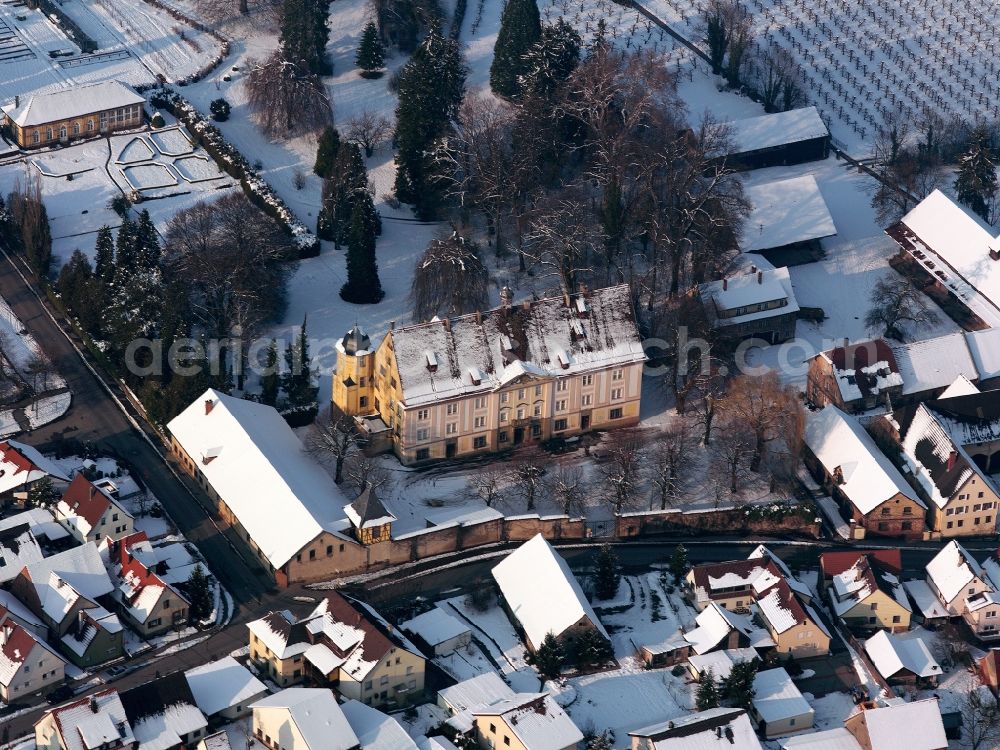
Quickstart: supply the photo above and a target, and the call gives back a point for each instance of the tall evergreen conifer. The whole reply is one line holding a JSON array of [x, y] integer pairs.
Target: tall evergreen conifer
[[520, 30]]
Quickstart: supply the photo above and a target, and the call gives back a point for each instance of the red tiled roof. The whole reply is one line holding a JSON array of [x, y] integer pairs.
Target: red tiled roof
[[12, 455], [741, 568], [86, 500], [835, 563]]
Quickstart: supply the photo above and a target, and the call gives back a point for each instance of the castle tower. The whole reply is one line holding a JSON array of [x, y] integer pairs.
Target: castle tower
[[369, 518], [352, 379]]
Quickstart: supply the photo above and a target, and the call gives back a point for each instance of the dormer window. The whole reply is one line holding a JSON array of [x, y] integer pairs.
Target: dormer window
[[432, 363]]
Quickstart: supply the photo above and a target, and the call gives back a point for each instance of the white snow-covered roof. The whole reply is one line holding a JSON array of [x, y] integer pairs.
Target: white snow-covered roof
[[61, 578], [538, 721], [223, 684], [870, 478], [82, 728], [165, 729], [542, 592], [960, 386], [76, 101], [472, 358], [487, 687], [785, 212], [217, 741], [914, 726], [855, 584], [832, 739], [711, 627], [21, 464], [891, 654], [252, 459], [435, 626], [952, 569], [18, 548], [958, 243], [39, 520], [715, 729], [721, 663], [985, 349], [778, 129], [748, 290], [375, 730], [776, 697], [273, 630], [321, 657], [316, 714], [925, 599], [934, 363]]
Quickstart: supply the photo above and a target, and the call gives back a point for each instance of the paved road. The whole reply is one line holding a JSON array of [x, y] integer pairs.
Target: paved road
[[94, 417]]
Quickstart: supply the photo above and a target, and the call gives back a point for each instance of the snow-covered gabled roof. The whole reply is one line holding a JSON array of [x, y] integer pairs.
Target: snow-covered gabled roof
[[74, 101], [715, 729], [16, 647], [840, 442], [952, 569], [711, 627], [435, 626], [785, 212], [855, 584], [985, 349], [960, 386], [538, 721], [39, 520], [165, 729], [776, 698], [721, 663], [281, 496], [913, 726], [925, 600], [930, 364], [223, 684], [21, 464], [782, 609], [77, 571], [778, 129], [542, 592], [892, 654], [367, 511], [748, 290], [316, 714], [863, 369], [83, 504], [484, 688], [18, 548], [274, 630], [87, 723], [375, 730], [832, 739], [470, 350]]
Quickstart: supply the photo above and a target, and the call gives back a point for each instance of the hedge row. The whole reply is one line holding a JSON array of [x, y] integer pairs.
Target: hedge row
[[233, 163]]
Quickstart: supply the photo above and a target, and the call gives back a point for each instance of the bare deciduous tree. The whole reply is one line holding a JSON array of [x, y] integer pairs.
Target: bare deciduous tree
[[488, 482], [732, 450], [980, 717], [363, 470], [708, 385], [449, 279], [526, 476], [562, 237], [369, 130], [335, 438], [567, 487], [623, 468], [669, 456], [287, 99], [768, 411], [902, 183], [897, 304], [779, 79]]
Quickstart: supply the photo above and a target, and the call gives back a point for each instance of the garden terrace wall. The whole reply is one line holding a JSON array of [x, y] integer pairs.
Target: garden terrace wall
[[233, 163], [630, 525]]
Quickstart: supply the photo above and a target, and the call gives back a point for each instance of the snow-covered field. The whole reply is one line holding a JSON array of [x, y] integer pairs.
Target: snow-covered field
[[135, 42]]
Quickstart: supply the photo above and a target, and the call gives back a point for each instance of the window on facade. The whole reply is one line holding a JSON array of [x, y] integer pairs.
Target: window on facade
[[35, 137], [615, 414], [977, 506], [506, 740], [561, 405], [618, 374], [480, 403], [329, 550], [423, 454], [616, 394], [587, 399], [521, 393], [961, 523], [883, 526], [479, 422], [90, 125], [504, 415], [520, 413], [423, 433], [479, 442], [587, 380], [536, 430], [363, 401], [560, 425], [423, 413], [76, 128], [502, 436], [907, 511], [493, 728], [62, 131], [562, 385], [48, 134], [895, 619], [950, 524], [874, 606], [538, 390], [537, 410], [452, 409], [451, 428]]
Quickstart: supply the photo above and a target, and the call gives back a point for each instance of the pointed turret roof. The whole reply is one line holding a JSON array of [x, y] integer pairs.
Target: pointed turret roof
[[367, 511]]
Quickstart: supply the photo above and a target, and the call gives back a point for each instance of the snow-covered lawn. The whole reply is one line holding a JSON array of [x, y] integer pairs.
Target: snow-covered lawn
[[644, 622], [197, 168], [135, 150], [171, 142], [149, 176], [48, 409]]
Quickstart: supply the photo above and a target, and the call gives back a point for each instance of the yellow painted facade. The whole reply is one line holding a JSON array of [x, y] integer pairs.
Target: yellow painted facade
[[85, 126], [878, 610]]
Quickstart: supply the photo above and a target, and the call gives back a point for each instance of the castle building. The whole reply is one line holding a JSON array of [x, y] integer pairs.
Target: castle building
[[490, 381]]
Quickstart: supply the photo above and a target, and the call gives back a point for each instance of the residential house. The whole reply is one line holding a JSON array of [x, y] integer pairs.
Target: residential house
[[903, 660], [965, 589], [264, 483], [914, 726], [22, 466], [928, 609], [149, 604], [793, 625], [542, 595], [439, 631], [224, 689], [962, 497], [42, 525], [69, 591], [302, 719], [788, 221], [718, 628], [719, 663], [163, 714], [831, 739], [727, 584], [854, 376], [549, 368], [89, 514], [870, 490], [955, 251], [526, 721], [64, 115], [867, 596], [759, 305], [778, 707], [18, 548], [988, 669], [344, 643], [461, 699], [778, 139], [27, 664], [375, 730], [96, 722], [728, 728], [836, 562], [674, 649]]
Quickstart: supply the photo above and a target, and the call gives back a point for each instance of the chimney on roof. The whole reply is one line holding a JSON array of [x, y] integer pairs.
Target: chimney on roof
[[952, 458], [479, 317], [847, 342], [753, 269], [725, 284], [392, 325], [718, 732], [209, 405], [760, 277], [506, 296], [995, 253], [447, 324], [17, 101], [93, 705]]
